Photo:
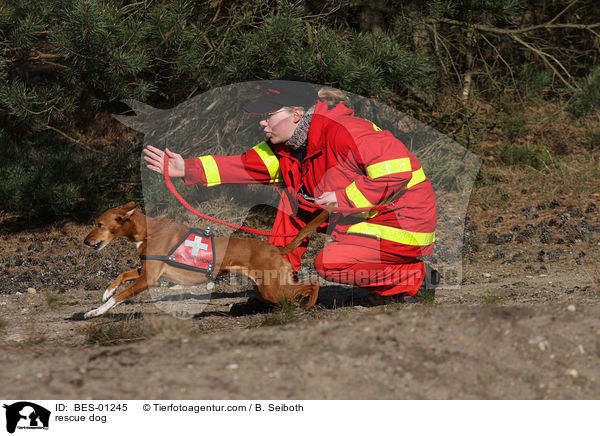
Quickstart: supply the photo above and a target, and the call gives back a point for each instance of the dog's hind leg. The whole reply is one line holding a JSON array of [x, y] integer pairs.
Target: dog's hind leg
[[308, 293], [123, 277]]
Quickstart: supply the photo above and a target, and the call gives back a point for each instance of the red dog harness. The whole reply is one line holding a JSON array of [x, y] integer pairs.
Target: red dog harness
[[195, 252]]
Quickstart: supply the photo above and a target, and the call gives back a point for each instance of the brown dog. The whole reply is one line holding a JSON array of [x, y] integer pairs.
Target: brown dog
[[261, 261]]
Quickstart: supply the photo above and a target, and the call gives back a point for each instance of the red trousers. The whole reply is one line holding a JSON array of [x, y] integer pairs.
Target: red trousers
[[372, 264]]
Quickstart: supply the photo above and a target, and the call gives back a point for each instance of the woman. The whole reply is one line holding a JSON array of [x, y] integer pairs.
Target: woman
[[320, 150]]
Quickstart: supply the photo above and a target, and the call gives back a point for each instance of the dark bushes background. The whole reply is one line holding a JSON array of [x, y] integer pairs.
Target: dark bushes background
[[66, 64]]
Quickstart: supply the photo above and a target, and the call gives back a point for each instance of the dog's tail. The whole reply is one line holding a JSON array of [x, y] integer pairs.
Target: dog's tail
[[310, 227]]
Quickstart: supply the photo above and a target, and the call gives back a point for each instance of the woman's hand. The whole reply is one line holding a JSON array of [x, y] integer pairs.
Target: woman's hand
[[326, 198], [155, 158]]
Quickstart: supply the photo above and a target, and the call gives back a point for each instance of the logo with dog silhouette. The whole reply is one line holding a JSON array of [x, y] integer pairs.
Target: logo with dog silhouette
[[26, 415]]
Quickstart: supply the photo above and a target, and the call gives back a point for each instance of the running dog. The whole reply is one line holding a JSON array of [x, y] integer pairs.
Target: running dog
[[261, 261]]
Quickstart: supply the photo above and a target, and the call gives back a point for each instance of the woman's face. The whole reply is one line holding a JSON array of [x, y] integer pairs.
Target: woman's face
[[279, 125]]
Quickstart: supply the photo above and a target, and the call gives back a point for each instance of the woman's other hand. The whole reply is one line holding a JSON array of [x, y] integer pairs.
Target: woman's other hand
[[326, 198]]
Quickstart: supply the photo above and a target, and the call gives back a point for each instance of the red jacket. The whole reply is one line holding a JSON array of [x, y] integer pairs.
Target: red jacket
[[351, 156]]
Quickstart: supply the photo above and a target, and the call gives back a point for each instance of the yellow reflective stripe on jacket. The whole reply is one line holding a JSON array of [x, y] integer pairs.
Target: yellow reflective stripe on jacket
[[376, 127], [384, 168], [417, 177], [211, 170], [387, 167], [359, 200], [357, 197], [393, 234], [269, 159]]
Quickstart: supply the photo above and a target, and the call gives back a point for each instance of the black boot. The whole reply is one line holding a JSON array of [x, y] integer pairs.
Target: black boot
[[426, 293]]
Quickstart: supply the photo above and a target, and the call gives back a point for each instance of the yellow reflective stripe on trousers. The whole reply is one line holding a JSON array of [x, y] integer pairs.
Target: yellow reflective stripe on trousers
[[393, 234], [211, 170], [269, 159], [384, 168]]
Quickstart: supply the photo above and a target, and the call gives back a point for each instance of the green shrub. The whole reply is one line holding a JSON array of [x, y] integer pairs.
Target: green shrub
[[45, 178], [512, 122], [593, 140], [586, 99], [534, 81], [490, 177], [526, 156]]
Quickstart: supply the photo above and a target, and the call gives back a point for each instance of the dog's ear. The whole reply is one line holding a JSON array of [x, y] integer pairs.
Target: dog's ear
[[129, 206], [127, 211]]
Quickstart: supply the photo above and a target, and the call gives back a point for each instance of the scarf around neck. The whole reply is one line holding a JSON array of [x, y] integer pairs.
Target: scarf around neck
[[299, 138]]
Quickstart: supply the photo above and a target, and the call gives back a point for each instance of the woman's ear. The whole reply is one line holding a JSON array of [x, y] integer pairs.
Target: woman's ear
[[297, 114]]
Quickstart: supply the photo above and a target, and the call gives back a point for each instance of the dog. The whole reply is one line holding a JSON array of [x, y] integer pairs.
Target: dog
[[261, 261]]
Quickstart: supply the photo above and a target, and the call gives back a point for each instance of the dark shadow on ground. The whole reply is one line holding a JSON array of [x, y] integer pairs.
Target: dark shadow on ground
[[332, 297], [110, 315]]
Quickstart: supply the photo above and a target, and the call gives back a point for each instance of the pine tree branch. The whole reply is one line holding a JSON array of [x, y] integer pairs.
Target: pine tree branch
[[499, 30], [46, 56], [544, 56], [441, 40], [549, 25], [510, 70], [550, 61], [70, 138], [562, 12]]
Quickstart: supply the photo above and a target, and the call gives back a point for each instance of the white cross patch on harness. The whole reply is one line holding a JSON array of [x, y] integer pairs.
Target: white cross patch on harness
[[196, 245]]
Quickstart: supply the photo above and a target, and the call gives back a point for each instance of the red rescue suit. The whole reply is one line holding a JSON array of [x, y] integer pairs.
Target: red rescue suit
[[365, 167]]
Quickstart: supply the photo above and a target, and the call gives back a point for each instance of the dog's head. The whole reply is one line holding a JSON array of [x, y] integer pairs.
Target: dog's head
[[110, 225]]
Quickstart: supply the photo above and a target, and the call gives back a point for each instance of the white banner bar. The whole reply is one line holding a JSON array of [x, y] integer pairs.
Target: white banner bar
[[262, 417]]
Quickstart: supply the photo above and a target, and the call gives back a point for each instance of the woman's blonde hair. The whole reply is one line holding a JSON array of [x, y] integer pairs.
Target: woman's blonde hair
[[333, 96]]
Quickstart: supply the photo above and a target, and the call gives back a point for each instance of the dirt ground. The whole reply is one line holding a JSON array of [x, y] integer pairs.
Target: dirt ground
[[524, 325]]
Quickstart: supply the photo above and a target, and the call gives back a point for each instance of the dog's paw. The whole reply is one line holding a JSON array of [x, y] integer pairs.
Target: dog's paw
[[101, 310], [91, 314]]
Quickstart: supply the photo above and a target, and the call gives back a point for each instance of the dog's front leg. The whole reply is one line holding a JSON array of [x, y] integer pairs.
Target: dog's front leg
[[135, 288], [123, 277]]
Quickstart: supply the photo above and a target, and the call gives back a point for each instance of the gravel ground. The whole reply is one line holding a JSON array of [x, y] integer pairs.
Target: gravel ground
[[524, 325]]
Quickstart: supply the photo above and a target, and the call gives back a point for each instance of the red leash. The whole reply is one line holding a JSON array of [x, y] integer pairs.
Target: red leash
[[178, 196]]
